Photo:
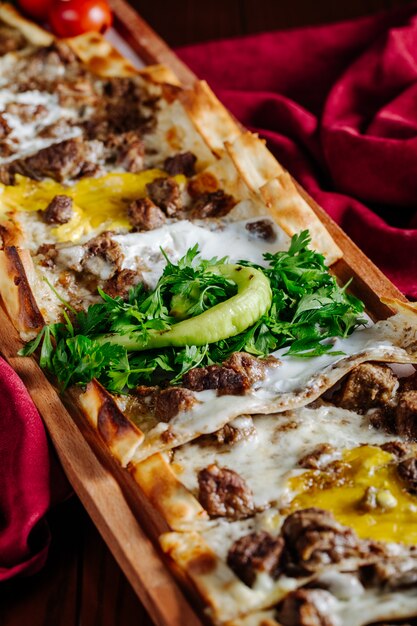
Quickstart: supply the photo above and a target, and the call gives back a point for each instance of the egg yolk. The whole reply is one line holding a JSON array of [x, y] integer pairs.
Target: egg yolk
[[97, 202], [364, 492]]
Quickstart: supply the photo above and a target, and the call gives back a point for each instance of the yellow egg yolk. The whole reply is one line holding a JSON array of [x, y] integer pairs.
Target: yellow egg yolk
[[364, 492], [96, 201]]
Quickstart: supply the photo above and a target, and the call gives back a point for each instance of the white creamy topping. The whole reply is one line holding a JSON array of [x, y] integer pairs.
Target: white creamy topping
[[269, 456], [295, 383], [24, 135], [142, 251]]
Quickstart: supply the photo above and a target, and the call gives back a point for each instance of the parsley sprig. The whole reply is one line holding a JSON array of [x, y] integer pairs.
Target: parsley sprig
[[308, 307]]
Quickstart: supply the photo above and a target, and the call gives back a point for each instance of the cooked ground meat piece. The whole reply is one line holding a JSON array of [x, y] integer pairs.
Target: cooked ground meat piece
[[389, 573], [314, 459], [408, 383], [239, 429], [10, 39], [314, 539], [406, 415], [169, 402], [263, 229], [127, 150], [306, 607], [253, 553], [234, 377], [224, 379], [165, 193], [6, 175], [407, 471], [120, 87], [121, 283], [397, 448], [249, 365], [223, 493], [60, 161], [212, 204], [59, 210], [5, 129], [49, 253], [181, 163], [368, 385], [103, 246], [145, 215]]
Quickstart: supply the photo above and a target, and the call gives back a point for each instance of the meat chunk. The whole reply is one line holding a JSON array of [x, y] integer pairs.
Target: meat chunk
[[409, 383], [253, 553], [212, 204], [407, 471], [398, 448], [317, 457], [406, 415], [48, 254], [126, 150], [306, 607], [237, 430], [169, 402], [145, 215], [368, 385], [121, 283], [224, 379], [390, 574], [262, 229], [59, 210], [250, 366], [103, 256], [314, 539], [223, 493], [234, 377], [60, 161], [181, 163], [5, 129], [165, 193]]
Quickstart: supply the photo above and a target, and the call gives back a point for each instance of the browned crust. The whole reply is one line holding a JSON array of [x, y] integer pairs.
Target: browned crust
[[211, 119], [120, 435], [226, 595], [32, 32], [16, 292], [169, 496]]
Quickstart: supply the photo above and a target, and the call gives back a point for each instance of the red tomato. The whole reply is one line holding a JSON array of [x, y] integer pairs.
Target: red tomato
[[38, 9], [69, 18]]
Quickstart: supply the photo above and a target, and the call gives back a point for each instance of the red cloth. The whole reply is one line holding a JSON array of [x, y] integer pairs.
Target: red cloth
[[338, 107], [24, 480]]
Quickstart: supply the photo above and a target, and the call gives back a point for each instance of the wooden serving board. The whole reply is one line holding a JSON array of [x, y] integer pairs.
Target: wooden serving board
[[126, 521]]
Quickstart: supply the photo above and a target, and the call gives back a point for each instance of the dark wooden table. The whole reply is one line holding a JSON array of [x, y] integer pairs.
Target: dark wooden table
[[81, 584]]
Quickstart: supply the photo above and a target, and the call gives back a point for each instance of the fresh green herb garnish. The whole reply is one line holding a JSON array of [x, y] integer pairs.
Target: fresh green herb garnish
[[308, 306]]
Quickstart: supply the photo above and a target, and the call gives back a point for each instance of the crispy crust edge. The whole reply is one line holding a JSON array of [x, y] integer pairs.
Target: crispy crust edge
[[16, 275], [31, 31], [120, 434]]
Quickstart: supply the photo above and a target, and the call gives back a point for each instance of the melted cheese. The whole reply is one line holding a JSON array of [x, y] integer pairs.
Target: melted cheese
[[342, 488], [268, 456], [93, 198]]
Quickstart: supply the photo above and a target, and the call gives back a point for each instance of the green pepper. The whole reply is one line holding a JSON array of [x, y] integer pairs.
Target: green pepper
[[224, 320]]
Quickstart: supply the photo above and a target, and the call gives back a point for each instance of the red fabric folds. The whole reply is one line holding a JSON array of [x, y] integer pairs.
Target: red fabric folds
[[24, 480], [338, 107]]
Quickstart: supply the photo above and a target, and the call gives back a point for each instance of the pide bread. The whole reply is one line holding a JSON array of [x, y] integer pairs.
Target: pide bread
[[166, 272]]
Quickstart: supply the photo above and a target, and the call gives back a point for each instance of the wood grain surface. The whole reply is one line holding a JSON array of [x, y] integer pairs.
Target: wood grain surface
[[82, 585], [189, 21]]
